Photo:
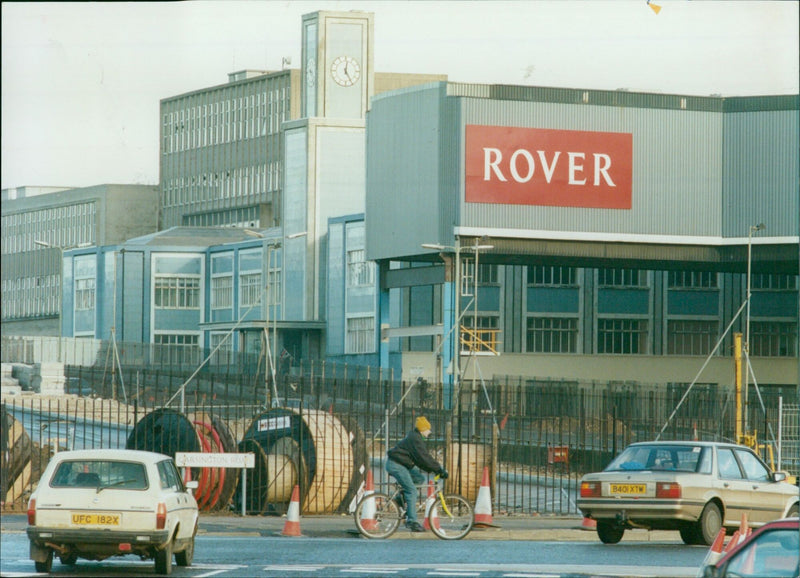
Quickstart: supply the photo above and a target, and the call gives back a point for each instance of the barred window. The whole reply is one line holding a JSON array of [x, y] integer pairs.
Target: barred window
[[773, 338], [360, 335], [552, 276], [359, 271], [624, 336], [692, 279], [84, 294], [224, 355], [249, 289], [172, 292], [176, 348], [621, 278], [695, 337], [773, 281], [222, 292], [274, 282], [552, 334]]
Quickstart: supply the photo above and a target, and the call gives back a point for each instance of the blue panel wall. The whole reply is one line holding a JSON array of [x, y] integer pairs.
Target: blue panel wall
[[553, 300], [623, 301], [692, 302]]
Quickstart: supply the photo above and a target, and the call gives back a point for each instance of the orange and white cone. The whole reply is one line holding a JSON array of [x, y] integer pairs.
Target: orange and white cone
[[292, 525], [426, 523], [715, 553], [483, 505], [744, 528], [368, 521]]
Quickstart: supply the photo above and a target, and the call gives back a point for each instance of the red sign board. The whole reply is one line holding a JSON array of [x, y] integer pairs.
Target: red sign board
[[558, 168]]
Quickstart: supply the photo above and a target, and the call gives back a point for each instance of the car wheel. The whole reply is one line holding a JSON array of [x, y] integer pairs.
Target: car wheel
[[689, 534], [164, 559], [47, 565], [69, 559], [793, 511], [609, 532], [708, 525], [184, 557]]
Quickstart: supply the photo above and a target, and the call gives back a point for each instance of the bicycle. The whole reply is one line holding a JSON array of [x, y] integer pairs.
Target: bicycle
[[449, 516]]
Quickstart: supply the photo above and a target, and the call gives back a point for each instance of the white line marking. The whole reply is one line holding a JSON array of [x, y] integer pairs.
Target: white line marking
[[288, 568], [373, 570]]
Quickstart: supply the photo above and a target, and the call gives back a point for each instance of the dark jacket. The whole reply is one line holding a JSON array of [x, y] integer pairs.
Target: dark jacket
[[410, 451]]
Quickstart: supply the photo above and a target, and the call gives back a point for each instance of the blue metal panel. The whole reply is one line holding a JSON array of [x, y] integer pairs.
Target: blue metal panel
[[623, 301], [774, 304], [553, 300], [334, 335], [692, 302]]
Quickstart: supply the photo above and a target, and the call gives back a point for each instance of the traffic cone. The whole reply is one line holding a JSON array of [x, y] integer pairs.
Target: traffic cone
[[426, 523], [368, 521], [483, 505], [292, 525], [715, 553], [733, 542], [588, 524], [744, 528]]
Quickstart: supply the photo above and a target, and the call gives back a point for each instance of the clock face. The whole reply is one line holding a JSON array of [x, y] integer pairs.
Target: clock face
[[311, 72], [345, 71]]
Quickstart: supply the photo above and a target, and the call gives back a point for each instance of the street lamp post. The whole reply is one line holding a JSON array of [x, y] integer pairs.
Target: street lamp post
[[457, 314], [753, 229]]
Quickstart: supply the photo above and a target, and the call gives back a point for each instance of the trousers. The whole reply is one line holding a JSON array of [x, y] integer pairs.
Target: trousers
[[408, 480]]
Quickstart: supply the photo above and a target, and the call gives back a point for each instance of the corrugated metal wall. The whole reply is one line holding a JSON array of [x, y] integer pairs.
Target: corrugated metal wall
[[761, 172], [677, 169]]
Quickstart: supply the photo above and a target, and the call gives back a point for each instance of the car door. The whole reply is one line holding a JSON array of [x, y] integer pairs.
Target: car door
[[766, 503], [732, 486], [180, 503]]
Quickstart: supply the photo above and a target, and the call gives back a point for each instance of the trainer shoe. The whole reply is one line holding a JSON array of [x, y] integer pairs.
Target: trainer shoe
[[415, 526]]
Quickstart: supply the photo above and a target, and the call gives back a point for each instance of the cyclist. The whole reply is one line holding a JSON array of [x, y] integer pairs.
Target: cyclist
[[405, 463]]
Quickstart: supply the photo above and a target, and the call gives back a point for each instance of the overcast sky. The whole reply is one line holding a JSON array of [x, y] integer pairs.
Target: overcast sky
[[81, 83]]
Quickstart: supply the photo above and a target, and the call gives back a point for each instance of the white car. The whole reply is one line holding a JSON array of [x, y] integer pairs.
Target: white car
[[95, 504]]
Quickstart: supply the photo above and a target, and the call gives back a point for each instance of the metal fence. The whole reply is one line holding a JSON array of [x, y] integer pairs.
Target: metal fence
[[324, 428]]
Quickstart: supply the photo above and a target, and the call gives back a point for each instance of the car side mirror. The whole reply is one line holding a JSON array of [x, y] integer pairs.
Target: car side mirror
[[778, 476], [192, 485]]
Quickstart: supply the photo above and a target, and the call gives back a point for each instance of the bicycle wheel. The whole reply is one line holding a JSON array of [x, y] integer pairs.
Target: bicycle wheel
[[377, 516], [451, 517]]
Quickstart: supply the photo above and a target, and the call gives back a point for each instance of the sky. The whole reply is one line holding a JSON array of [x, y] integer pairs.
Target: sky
[[81, 82]]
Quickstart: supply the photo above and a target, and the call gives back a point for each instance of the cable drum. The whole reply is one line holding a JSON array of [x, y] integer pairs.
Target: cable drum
[[309, 448], [16, 467]]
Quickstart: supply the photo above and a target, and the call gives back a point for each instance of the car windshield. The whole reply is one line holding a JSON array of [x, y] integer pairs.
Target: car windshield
[[773, 553], [677, 458], [100, 474]]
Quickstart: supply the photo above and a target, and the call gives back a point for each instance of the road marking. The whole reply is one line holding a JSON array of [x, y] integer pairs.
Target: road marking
[[216, 569], [523, 575], [441, 572], [374, 570], [287, 568]]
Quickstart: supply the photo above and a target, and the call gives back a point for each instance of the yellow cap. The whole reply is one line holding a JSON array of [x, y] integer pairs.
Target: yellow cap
[[422, 423]]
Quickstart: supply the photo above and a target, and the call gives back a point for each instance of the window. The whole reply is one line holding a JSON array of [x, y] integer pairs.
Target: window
[[552, 276], [621, 278], [773, 281], [692, 280], [773, 339], [169, 477], [691, 337], [753, 469], [360, 336], [552, 334], [173, 292], [727, 464], [359, 271], [249, 289], [84, 294], [222, 292], [176, 348], [624, 336], [223, 355]]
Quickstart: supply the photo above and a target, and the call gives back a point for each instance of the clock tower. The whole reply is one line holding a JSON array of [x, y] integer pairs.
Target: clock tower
[[337, 64]]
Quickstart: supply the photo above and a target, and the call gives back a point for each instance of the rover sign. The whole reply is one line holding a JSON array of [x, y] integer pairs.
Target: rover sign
[[558, 168]]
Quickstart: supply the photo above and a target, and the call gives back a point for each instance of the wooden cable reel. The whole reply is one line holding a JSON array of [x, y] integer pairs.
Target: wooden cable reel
[[15, 461], [309, 448], [465, 463]]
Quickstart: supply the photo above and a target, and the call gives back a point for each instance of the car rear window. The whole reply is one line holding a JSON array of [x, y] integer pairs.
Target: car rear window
[[100, 474], [662, 457]]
